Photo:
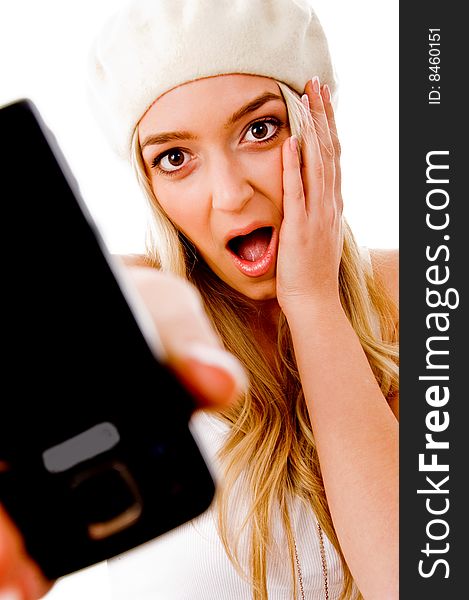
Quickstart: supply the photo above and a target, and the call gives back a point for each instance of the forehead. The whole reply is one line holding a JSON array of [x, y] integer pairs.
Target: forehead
[[218, 97]]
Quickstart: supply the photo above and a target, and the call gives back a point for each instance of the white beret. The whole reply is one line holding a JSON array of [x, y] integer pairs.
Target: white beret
[[152, 46]]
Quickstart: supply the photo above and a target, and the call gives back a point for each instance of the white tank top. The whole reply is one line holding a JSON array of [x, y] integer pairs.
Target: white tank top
[[190, 562]]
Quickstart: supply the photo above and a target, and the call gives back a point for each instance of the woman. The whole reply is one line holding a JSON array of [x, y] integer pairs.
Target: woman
[[242, 172], [207, 99]]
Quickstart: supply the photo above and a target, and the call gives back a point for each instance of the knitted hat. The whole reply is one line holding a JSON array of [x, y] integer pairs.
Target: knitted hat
[[152, 46]]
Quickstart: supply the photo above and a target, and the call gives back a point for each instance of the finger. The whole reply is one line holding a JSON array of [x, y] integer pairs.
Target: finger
[[19, 575], [209, 375], [32, 582], [329, 110], [313, 91], [294, 208], [312, 164], [319, 157], [10, 548], [192, 349]]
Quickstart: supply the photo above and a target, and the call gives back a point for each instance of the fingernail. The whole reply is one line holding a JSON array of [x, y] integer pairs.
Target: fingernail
[[215, 357], [10, 594], [316, 84], [293, 143], [326, 93], [305, 100]]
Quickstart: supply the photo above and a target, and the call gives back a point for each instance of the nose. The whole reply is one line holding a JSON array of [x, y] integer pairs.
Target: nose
[[231, 189]]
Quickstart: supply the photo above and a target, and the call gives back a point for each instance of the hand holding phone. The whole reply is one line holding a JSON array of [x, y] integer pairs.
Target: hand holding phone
[[94, 429], [215, 381]]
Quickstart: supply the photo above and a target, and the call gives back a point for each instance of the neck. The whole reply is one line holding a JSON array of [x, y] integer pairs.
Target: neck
[[264, 323], [268, 313]]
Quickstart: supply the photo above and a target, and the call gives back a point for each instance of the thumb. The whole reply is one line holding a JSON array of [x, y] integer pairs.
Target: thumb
[[212, 375], [190, 345], [20, 577]]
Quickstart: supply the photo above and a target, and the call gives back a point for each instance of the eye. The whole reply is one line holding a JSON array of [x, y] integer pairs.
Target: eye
[[171, 160], [261, 131]]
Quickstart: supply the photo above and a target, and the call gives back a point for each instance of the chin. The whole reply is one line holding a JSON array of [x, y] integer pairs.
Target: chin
[[261, 291], [255, 289]]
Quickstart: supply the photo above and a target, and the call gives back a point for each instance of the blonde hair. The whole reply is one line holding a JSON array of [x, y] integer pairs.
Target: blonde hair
[[271, 446]]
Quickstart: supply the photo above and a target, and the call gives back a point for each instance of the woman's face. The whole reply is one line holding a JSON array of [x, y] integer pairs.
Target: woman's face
[[212, 150]]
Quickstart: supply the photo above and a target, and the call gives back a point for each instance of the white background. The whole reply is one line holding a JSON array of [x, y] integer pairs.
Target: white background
[[43, 48]]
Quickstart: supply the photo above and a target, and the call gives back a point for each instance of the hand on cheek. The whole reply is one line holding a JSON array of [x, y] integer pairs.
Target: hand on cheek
[[311, 236]]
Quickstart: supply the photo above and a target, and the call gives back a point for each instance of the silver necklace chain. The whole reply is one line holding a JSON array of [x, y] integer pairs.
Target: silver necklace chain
[[323, 561]]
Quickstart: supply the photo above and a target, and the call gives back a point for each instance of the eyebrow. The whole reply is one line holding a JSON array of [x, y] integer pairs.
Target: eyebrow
[[170, 136], [163, 138], [251, 106]]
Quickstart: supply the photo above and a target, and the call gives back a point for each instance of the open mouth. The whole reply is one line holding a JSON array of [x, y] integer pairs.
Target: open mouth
[[254, 254], [253, 246]]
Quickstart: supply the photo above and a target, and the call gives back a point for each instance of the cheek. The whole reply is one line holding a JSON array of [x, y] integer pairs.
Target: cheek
[[184, 206]]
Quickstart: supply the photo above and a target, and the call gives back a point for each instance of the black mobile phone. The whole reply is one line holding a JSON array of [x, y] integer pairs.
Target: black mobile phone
[[93, 427]]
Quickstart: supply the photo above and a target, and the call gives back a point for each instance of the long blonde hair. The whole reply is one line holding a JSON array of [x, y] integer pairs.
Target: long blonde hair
[[270, 445]]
